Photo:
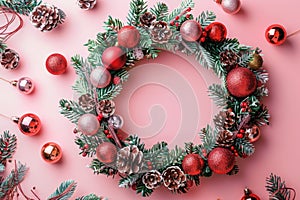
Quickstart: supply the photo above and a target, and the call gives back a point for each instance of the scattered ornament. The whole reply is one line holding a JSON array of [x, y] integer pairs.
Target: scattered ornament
[[230, 6], [56, 64], [51, 152], [24, 84], [248, 195]]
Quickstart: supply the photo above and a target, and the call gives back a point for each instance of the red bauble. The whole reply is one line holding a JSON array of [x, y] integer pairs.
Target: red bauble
[[241, 82], [128, 37], [106, 152], [114, 58], [276, 34], [216, 31], [249, 195], [192, 164], [56, 64], [221, 160], [190, 30]]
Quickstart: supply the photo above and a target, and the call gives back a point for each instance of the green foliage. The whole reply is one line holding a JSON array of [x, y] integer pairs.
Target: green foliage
[[71, 110], [209, 138], [261, 117], [206, 18], [160, 10], [183, 6], [16, 176], [135, 140], [137, 8], [64, 191], [204, 57], [262, 75], [112, 26], [2, 168], [8, 145], [23, 7], [128, 181], [92, 141], [244, 147], [277, 188], [109, 92], [145, 192], [157, 155], [195, 179], [219, 94], [91, 197], [3, 46], [100, 168], [175, 157]]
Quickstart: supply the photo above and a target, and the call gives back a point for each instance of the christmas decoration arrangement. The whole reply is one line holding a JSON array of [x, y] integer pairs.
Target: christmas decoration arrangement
[[149, 31]]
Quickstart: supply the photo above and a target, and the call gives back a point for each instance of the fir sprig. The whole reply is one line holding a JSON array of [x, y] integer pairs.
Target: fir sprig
[[277, 188], [160, 10], [206, 18], [128, 181], [64, 191], [23, 7], [145, 192], [91, 197], [244, 147], [92, 141], [8, 145], [208, 137], [219, 94], [71, 110], [100, 168], [183, 6], [112, 25], [137, 8]]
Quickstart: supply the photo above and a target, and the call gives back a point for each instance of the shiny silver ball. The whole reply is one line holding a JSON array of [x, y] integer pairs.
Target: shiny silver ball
[[25, 85], [116, 121]]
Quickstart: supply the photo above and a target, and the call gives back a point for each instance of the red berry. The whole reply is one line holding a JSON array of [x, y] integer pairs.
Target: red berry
[[232, 148], [242, 131], [84, 154], [134, 186], [117, 80], [109, 136], [239, 135], [204, 34], [236, 154], [188, 16], [99, 117], [202, 39], [86, 146], [244, 104], [189, 9], [172, 23], [177, 18], [176, 24], [106, 132], [243, 110]]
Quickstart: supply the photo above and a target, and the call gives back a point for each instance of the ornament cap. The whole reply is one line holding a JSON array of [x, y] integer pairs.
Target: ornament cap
[[14, 83], [247, 191], [15, 119]]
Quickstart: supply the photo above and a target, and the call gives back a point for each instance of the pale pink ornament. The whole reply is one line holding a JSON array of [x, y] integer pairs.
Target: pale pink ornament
[[100, 77], [231, 6], [88, 124], [25, 85]]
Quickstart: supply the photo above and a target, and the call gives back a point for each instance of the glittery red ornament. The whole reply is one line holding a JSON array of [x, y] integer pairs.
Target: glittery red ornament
[[221, 160], [56, 64], [216, 31], [248, 195], [276, 34], [190, 30], [114, 58], [241, 82], [192, 164], [128, 37], [106, 152]]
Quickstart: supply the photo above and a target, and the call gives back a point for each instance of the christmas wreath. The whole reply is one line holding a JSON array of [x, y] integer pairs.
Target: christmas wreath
[[101, 75]]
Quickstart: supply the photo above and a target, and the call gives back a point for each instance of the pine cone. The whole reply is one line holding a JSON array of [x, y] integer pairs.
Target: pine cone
[[225, 119], [152, 179], [229, 59], [160, 32], [86, 102], [86, 4], [147, 18], [138, 53], [46, 17], [129, 160], [106, 108], [9, 59], [174, 178], [225, 139]]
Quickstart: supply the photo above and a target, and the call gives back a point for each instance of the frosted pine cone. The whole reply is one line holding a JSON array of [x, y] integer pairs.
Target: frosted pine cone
[[229, 59], [225, 139], [174, 178], [86, 102], [160, 32], [86, 4], [147, 18], [9, 59], [106, 108], [46, 17], [225, 119], [129, 160], [152, 179]]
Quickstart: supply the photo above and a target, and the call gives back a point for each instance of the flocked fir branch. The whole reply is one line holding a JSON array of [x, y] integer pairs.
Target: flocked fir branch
[[137, 8], [23, 7], [277, 188], [8, 145], [64, 191]]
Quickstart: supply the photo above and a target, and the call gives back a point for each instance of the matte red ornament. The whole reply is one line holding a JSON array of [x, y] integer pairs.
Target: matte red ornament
[[51, 152], [29, 124], [106, 152], [128, 37], [241, 82], [192, 164], [248, 195], [221, 160], [276, 34], [114, 58], [56, 64], [216, 31], [190, 30]]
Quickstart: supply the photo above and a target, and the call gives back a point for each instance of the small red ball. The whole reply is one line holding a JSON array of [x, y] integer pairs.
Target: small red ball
[[216, 31], [191, 30], [56, 64], [221, 160], [241, 82], [276, 34], [128, 37], [114, 58], [192, 164], [106, 152]]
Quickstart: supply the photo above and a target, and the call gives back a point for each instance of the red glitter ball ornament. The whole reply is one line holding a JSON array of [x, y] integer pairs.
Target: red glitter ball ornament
[[106, 152], [216, 31], [113, 58], [128, 37], [221, 160], [192, 164], [56, 64], [276, 34], [241, 82]]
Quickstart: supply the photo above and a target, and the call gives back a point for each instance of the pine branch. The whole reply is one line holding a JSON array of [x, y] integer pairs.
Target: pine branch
[[128, 181], [262, 75], [175, 157], [245, 57], [262, 116], [160, 10], [244, 147], [206, 18], [135, 140], [183, 6], [109, 92], [3, 46], [71, 110], [92, 141], [219, 94], [64, 191], [91, 197], [277, 188], [2, 168], [157, 155], [208, 138], [23, 7], [145, 41], [100, 168], [8, 145], [195, 179], [145, 192], [204, 57], [112, 25], [137, 8]]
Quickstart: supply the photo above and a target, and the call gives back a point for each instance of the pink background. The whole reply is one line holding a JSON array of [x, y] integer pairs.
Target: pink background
[[158, 95]]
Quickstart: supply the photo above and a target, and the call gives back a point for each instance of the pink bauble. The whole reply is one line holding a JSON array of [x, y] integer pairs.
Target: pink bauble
[[88, 124], [25, 85], [29, 124], [231, 6], [128, 37], [114, 58], [190, 30], [100, 77]]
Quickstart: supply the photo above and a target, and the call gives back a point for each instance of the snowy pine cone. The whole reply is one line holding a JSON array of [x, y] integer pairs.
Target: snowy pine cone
[[86, 4], [9, 59], [152, 179], [129, 160], [174, 178], [160, 32]]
